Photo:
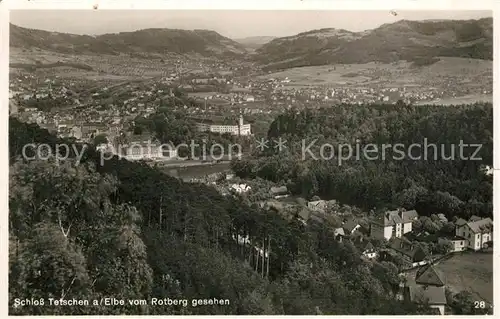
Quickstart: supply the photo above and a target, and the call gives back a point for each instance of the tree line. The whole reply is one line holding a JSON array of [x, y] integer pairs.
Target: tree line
[[436, 184]]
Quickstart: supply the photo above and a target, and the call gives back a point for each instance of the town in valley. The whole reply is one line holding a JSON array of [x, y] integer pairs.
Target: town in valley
[[255, 225]]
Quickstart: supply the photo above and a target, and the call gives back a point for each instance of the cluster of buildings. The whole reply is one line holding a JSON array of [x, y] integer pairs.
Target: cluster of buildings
[[284, 91], [426, 287], [234, 97], [276, 95], [95, 115], [475, 234], [355, 95], [395, 227], [421, 282]]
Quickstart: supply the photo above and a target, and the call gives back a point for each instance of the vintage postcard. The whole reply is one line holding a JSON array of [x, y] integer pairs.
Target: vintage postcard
[[250, 162]]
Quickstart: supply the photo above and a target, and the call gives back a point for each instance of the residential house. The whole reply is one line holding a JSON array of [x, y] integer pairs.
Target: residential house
[[478, 234], [339, 233], [393, 224], [279, 192], [303, 215], [350, 226], [318, 205], [412, 254], [272, 205], [442, 218], [321, 205], [422, 236], [488, 170], [240, 188], [76, 132], [366, 248], [427, 287], [408, 216], [458, 243]]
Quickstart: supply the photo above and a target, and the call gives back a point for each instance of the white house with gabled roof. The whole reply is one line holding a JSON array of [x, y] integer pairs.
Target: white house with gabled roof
[[476, 233]]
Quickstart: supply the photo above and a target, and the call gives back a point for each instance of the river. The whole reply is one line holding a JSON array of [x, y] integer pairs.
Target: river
[[188, 172]]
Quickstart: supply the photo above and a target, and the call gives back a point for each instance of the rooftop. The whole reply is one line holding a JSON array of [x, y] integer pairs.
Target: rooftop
[[409, 215], [405, 247], [429, 294], [350, 224], [428, 275], [368, 246], [279, 190], [339, 231], [481, 226], [391, 218], [474, 218]]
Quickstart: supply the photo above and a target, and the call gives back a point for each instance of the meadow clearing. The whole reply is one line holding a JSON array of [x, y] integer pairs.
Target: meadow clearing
[[467, 99], [448, 69], [471, 271]]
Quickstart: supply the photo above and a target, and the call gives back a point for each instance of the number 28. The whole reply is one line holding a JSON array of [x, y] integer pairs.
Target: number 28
[[479, 304]]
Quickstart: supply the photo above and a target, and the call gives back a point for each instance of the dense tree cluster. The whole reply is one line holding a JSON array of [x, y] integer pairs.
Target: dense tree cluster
[[125, 230], [440, 181]]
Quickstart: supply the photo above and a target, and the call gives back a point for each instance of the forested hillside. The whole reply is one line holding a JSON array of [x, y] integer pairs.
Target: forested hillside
[[439, 181], [158, 40], [402, 40], [79, 230]]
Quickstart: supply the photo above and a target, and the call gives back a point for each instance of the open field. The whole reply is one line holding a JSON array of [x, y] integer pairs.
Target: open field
[[468, 99], [328, 75], [120, 65], [470, 271], [394, 74]]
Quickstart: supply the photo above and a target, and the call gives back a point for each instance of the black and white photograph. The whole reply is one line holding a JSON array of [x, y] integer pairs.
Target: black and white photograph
[[250, 162]]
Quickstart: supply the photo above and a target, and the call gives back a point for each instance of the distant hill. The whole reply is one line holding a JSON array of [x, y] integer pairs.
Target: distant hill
[[255, 42], [402, 40], [204, 42]]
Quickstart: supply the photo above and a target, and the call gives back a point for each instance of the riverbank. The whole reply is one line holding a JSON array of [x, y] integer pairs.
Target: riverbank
[[189, 172]]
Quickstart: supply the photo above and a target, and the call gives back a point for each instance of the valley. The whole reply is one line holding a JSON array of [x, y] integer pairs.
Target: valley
[[186, 175]]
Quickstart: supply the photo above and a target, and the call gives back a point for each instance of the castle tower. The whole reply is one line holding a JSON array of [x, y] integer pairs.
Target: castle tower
[[240, 123]]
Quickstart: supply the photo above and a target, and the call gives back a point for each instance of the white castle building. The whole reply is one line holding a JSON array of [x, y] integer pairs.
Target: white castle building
[[240, 129]]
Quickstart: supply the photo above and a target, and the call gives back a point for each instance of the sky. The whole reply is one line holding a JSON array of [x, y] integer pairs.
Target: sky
[[230, 23]]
